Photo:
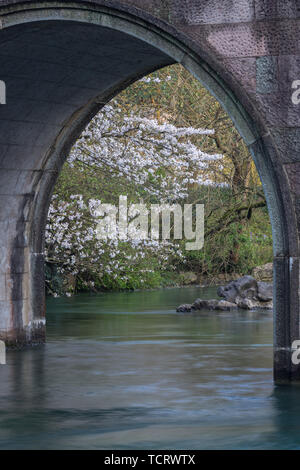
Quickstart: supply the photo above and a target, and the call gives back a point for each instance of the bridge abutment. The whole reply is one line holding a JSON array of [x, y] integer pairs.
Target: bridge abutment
[[286, 318], [22, 300]]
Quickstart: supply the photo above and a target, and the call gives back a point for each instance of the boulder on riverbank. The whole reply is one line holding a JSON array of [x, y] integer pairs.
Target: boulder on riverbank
[[246, 292], [264, 272]]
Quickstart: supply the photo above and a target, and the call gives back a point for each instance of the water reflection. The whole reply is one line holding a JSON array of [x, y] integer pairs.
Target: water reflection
[[125, 371], [286, 405]]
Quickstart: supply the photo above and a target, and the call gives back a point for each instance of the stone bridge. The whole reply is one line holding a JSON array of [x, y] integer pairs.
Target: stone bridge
[[61, 61]]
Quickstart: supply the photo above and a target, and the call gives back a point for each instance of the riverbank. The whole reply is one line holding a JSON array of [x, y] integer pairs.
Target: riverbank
[[66, 285], [174, 283]]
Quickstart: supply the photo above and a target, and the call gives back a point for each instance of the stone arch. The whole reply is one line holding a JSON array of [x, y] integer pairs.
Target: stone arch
[[56, 83]]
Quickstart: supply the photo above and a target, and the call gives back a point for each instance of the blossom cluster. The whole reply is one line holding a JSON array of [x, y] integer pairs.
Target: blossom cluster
[[73, 247], [157, 159]]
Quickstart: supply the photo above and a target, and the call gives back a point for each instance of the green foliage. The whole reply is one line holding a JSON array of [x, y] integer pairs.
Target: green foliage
[[237, 227], [239, 249]]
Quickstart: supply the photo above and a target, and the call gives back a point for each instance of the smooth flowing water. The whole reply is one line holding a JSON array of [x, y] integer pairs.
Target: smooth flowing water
[[125, 371]]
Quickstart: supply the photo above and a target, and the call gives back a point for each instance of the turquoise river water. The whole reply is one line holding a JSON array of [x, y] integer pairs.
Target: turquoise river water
[[125, 371]]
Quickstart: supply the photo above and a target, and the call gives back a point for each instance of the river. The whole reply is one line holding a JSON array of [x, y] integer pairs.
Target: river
[[125, 371]]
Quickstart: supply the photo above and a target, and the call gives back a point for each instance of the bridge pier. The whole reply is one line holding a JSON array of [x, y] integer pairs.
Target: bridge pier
[[22, 298], [286, 318]]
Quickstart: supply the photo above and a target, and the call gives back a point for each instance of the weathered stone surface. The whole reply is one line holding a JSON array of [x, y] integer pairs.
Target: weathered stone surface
[[264, 291], [184, 308], [243, 69], [272, 9], [225, 305], [212, 304], [212, 12], [244, 287], [287, 139], [264, 272], [3, 292], [293, 172], [252, 303], [247, 293], [244, 293], [202, 304], [266, 74], [249, 39], [198, 304]]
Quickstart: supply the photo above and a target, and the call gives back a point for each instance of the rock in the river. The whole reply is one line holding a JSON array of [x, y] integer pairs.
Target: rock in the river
[[238, 288], [212, 304], [251, 304], [265, 291], [244, 293], [184, 308], [247, 293], [225, 305], [199, 304]]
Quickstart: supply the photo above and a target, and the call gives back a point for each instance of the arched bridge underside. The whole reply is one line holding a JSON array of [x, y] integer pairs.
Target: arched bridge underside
[[61, 61]]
